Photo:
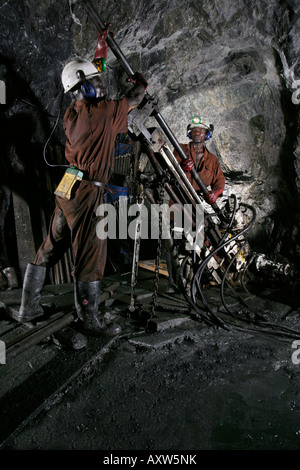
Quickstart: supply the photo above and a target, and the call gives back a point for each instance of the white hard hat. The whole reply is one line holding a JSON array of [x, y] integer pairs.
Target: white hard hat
[[198, 121], [69, 76]]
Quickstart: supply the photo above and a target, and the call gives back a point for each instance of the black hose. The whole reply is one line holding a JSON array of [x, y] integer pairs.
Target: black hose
[[220, 245], [256, 325], [201, 268], [51, 134], [199, 313]]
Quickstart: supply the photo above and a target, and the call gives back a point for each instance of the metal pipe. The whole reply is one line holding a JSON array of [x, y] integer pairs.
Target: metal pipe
[[181, 176], [167, 187], [157, 115], [110, 40]]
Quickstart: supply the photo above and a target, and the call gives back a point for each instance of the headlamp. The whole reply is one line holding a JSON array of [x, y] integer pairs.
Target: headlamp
[[196, 120]]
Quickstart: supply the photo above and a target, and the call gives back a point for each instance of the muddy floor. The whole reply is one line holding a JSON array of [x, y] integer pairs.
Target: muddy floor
[[187, 387], [214, 391]]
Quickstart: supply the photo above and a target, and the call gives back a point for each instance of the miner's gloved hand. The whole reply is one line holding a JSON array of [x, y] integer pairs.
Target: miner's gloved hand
[[138, 79], [213, 195], [188, 164]]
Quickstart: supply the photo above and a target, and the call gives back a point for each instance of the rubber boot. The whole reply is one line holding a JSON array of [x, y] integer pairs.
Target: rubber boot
[[33, 284], [86, 302], [171, 287]]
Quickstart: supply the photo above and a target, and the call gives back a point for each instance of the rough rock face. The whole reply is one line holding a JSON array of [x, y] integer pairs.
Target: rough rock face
[[234, 63]]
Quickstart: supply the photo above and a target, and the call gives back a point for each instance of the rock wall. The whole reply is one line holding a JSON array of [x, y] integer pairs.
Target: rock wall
[[233, 62]]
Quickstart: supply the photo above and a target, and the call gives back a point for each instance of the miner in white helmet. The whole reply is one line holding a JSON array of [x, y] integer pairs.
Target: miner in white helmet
[[91, 124], [207, 165]]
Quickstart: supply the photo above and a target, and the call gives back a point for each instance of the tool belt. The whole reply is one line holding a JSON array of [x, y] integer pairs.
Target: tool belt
[[70, 182]]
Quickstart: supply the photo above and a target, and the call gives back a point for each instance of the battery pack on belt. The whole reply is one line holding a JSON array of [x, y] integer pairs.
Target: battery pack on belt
[[68, 182]]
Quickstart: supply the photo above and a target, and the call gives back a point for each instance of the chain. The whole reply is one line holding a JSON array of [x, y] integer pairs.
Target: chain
[[135, 190], [158, 252], [135, 261]]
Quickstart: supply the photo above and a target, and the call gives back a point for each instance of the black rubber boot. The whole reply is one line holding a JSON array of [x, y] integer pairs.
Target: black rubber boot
[[171, 287], [86, 302], [33, 284]]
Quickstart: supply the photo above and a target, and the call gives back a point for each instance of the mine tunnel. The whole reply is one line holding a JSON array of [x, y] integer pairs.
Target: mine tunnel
[[149, 270]]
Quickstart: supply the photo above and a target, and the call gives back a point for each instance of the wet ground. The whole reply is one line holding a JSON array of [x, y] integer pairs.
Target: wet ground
[[182, 386]]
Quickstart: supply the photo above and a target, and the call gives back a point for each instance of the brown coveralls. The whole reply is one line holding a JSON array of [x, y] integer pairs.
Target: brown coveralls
[[209, 168], [91, 130]]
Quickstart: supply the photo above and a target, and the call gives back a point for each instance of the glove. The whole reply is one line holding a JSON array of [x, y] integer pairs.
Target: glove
[[213, 195], [188, 164], [138, 79]]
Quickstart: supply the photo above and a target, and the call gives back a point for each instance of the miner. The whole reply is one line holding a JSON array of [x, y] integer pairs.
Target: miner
[[207, 165], [91, 124]]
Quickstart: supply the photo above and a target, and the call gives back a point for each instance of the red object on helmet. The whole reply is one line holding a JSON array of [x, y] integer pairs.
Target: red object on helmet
[[213, 195], [101, 48], [188, 164]]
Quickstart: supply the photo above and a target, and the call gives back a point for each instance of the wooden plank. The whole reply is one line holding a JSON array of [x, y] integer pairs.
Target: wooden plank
[[37, 334], [150, 266]]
